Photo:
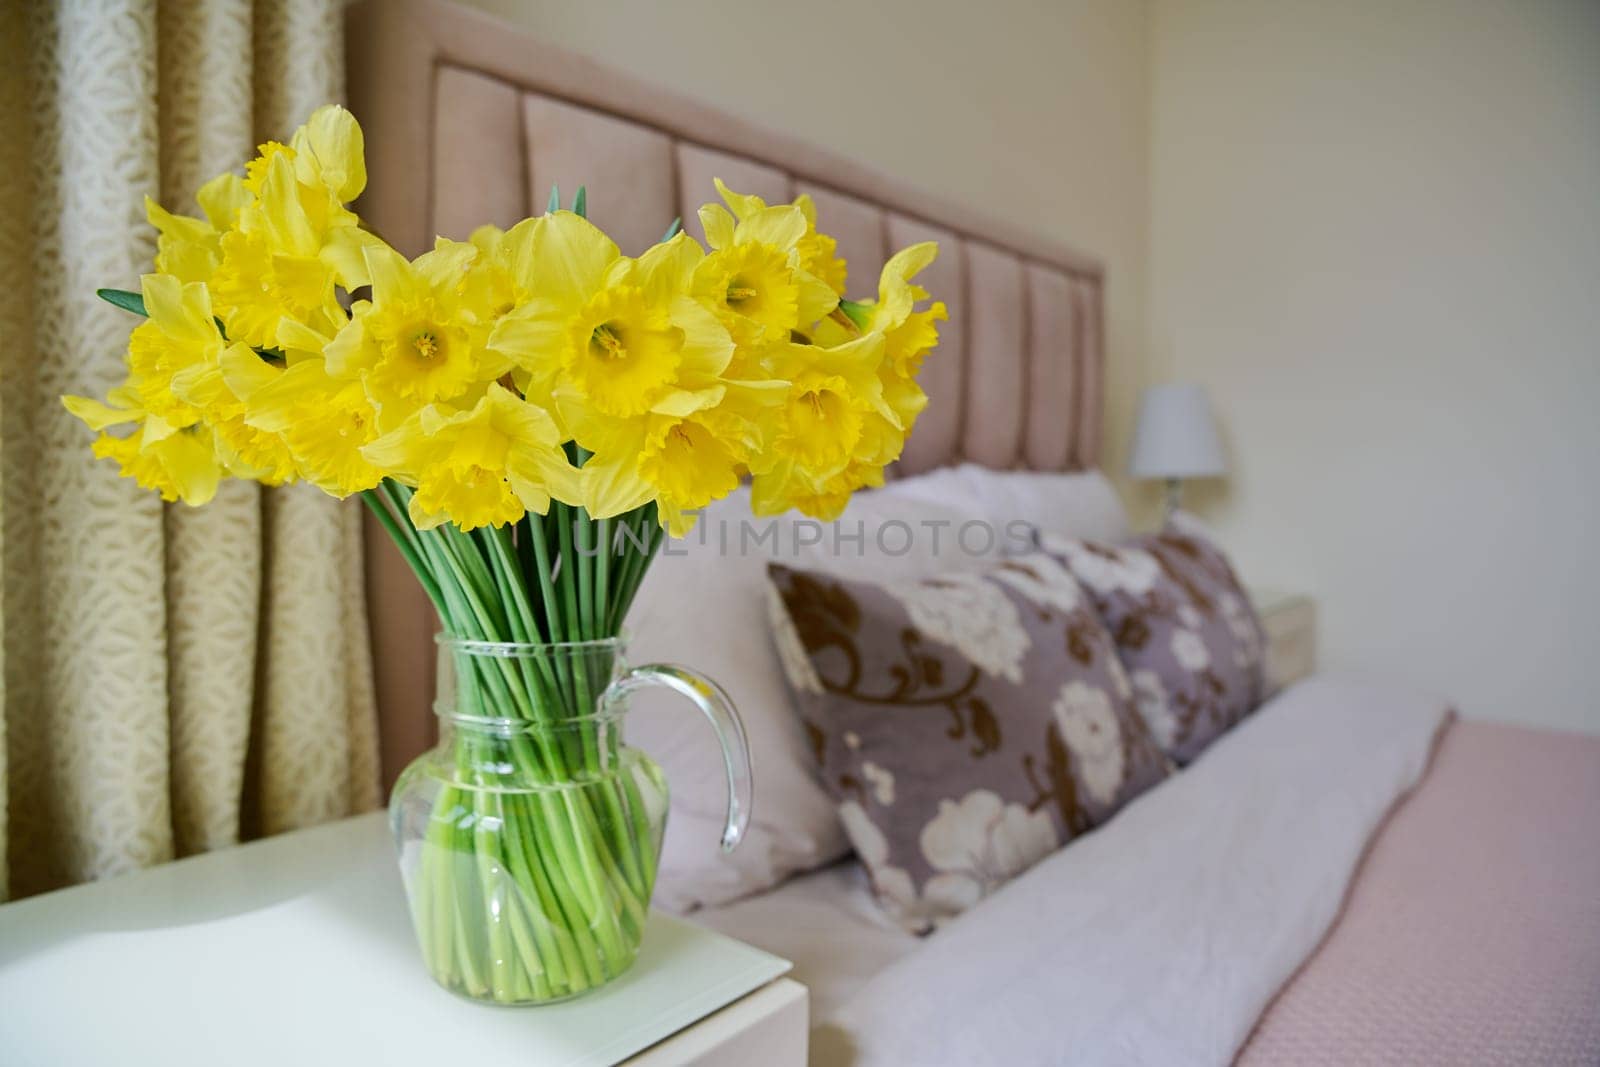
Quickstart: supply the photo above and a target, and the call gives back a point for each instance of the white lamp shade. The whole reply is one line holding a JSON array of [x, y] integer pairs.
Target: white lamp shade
[[1176, 436]]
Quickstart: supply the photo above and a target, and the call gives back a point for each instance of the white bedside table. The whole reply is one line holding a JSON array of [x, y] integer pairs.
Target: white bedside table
[[298, 949], [771, 1026], [1290, 620]]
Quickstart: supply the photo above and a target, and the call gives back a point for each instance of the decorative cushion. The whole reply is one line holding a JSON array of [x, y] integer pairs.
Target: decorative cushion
[[716, 579], [967, 724], [1183, 626]]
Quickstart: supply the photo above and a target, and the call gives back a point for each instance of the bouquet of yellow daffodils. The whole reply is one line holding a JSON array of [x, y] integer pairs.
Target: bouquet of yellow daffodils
[[526, 412]]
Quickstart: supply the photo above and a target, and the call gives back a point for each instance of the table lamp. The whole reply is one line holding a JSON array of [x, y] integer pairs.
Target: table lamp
[[1176, 438]]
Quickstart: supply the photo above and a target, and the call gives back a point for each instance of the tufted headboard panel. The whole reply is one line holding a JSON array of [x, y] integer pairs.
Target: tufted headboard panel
[[468, 121]]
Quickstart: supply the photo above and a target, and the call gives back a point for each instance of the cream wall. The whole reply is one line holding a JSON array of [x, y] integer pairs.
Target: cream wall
[[1375, 235], [1037, 108]]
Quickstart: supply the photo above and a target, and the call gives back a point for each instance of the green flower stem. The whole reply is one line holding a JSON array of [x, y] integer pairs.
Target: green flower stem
[[602, 571], [566, 581], [557, 952], [540, 893], [464, 937], [432, 898], [553, 951], [536, 673], [575, 572], [547, 891], [522, 633], [584, 570], [485, 850], [560, 625], [632, 862], [622, 571], [476, 603], [635, 562], [406, 543], [569, 588], [467, 609], [469, 559]]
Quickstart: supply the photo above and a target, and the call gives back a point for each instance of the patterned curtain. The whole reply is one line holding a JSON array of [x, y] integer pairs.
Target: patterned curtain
[[174, 679]]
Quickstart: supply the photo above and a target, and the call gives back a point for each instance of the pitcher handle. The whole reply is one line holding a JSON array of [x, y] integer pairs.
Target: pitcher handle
[[713, 702]]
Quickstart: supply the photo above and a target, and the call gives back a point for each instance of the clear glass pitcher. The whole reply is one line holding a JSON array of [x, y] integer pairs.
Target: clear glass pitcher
[[528, 837]]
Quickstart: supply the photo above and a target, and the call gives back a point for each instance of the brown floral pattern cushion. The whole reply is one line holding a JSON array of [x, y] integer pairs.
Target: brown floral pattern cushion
[[967, 724], [1192, 644]]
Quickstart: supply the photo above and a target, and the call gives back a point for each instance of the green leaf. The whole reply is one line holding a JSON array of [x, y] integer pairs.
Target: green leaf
[[123, 299], [554, 203], [580, 203], [672, 231]]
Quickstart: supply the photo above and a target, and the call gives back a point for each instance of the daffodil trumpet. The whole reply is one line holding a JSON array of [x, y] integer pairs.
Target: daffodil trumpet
[[528, 414]]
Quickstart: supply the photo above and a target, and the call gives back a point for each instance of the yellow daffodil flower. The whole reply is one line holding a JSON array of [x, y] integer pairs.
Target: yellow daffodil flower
[[178, 463], [171, 448], [323, 421], [415, 344], [488, 286], [295, 242], [329, 153], [621, 334], [909, 333], [682, 462], [255, 171], [285, 260], [831, 392], [247, 451], [482, 467], [690, 462], [622, 351], [786, 487], [908, 336], [818, 252], [188, 248], [834, 432], [753, 280], [179, 334]]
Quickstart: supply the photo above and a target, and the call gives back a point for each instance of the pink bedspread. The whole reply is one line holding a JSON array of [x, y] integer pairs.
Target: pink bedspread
[[1472, 932]]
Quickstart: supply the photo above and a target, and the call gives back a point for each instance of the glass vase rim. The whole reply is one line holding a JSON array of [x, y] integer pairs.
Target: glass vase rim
[[483, 647], [509, 725]]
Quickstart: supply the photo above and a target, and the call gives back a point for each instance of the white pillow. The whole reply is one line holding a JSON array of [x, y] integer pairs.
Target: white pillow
[[1187, 522], [1080, 505], [703, 604]]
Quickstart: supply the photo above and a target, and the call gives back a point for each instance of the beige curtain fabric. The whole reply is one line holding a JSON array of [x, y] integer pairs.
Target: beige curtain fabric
[[174, 678]]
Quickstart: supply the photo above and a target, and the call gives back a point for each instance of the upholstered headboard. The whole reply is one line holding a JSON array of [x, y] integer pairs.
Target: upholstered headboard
[[468, 121]]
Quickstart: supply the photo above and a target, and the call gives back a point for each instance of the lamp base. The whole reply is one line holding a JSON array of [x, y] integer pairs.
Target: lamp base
[[1174, 497]]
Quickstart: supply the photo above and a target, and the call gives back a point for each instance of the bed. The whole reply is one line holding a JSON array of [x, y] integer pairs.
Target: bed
[[1469, 935], [1464, 923]]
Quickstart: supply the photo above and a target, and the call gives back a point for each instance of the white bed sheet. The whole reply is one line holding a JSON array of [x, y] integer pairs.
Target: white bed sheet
[[1181, 917], [826, 923], [1158, 938]]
